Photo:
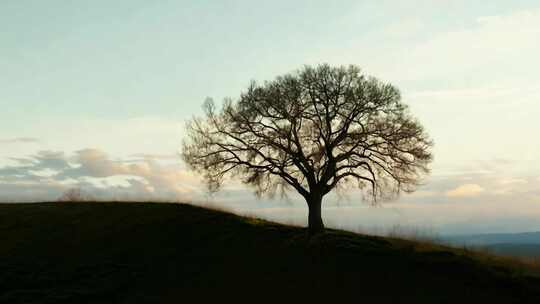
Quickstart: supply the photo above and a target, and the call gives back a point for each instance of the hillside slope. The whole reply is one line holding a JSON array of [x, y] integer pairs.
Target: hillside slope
[[496, 238], [165, 253]]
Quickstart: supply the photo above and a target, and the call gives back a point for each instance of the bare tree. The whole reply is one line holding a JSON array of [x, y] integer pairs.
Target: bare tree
[[313, 131], [75, 195]]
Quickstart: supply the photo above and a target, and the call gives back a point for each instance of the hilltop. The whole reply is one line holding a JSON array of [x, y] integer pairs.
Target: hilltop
[[166, 253]]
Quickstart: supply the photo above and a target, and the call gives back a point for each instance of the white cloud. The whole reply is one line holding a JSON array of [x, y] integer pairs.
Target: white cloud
[[466, 190], [512, 181], [94, 169], [500, 45], [478, 52]]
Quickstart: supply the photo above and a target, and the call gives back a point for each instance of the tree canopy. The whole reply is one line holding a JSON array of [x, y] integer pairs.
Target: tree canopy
[[314, 130]]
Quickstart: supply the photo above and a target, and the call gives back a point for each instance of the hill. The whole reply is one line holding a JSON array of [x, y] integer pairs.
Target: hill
[[525, 244], [167, 253], [529, 251], [530, 238]]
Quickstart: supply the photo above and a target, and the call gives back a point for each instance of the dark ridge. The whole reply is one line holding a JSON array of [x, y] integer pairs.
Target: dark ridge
[[169, 253]]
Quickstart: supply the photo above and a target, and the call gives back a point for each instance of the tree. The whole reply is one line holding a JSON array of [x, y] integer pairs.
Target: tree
[[315, 130], [75, 195]]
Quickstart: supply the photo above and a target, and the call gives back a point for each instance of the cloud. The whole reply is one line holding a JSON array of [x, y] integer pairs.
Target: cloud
[[512, 181], [155, 156], [18, 140], [50, 160], [493, 44], [466, 190], [423, 194], [501, 181], [420, 52], [46, 174]]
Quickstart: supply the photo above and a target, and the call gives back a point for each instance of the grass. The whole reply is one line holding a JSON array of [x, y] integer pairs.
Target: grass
[[168, 253]]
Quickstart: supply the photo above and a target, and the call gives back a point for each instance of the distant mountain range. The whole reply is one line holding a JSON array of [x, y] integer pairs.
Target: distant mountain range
[[526, 244]]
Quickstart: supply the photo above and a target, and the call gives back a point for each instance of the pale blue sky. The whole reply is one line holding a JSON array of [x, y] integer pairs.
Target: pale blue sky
[[120, 77], [122, 59]]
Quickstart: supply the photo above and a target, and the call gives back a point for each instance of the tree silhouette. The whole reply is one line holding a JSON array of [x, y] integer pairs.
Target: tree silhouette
[[75, 195], [313, 131]]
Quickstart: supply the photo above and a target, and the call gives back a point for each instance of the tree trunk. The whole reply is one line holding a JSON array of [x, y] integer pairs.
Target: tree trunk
[[315, 222]]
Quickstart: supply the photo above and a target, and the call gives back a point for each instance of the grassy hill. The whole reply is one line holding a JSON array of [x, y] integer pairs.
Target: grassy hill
[[167, 253], [525, 245], [517, 250]]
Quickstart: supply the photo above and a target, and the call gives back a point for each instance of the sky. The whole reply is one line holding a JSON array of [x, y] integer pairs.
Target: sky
[[95, 95]]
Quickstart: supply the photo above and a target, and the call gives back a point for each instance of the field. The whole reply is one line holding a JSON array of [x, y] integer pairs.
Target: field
[[168, 253]]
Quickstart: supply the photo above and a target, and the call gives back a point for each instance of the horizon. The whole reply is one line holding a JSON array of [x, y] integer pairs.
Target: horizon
[[95, 96]]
